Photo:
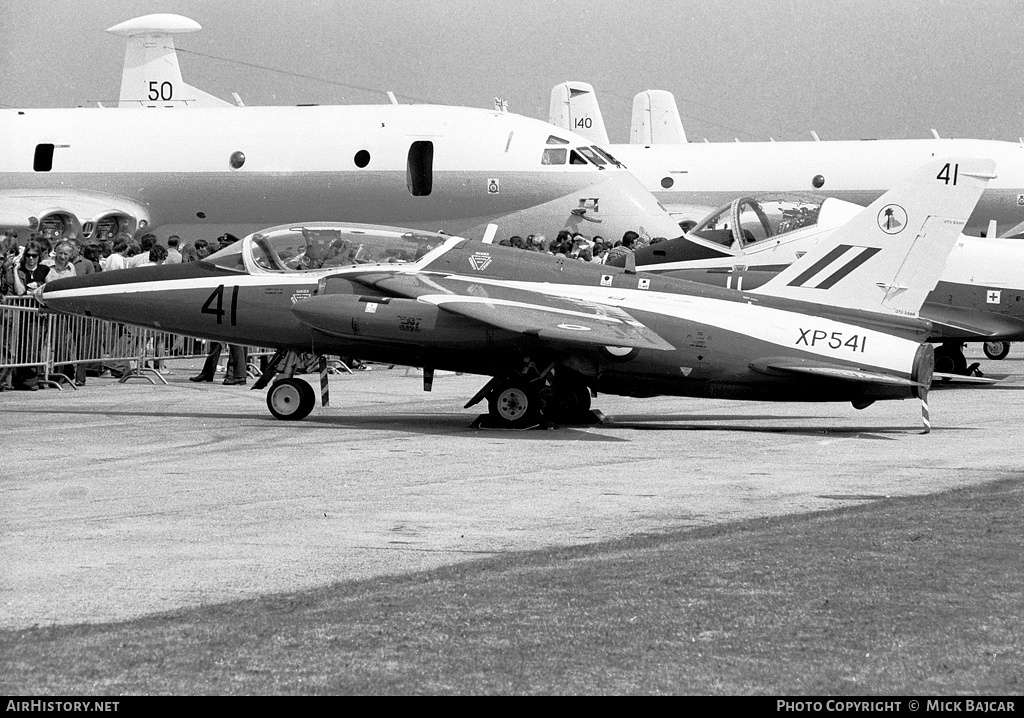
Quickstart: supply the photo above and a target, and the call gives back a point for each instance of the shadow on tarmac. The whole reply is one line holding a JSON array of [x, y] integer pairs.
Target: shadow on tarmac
[[448, 424]]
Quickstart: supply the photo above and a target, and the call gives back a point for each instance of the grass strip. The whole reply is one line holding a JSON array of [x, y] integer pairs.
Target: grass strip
[[919, 595]]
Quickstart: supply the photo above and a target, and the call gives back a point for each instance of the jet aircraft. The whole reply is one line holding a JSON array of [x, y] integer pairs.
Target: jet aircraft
[[979, 298], [208, 170], [840, 324], [692, 179]]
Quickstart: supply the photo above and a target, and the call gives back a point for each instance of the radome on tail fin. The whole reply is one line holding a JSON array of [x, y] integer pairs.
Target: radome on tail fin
[[151, 76], [890, 256], [574, 108], [655, 119]]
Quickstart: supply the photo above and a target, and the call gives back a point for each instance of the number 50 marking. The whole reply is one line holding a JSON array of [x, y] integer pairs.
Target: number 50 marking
[[946, 177], [218, 311]]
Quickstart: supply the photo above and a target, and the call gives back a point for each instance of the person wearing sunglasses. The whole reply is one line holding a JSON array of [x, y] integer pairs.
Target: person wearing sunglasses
[[29, 276], [31, 272]]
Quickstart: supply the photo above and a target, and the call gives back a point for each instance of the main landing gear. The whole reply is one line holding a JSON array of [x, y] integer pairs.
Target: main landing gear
[[950, 359], [533, 397]]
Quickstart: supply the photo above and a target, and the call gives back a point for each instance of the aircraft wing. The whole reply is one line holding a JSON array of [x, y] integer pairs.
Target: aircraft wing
[[548, 317]]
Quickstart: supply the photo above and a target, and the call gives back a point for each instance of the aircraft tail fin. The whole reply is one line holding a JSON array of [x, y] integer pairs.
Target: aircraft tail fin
[[151, 76], [574, 107], [890, 256], [656, 119]]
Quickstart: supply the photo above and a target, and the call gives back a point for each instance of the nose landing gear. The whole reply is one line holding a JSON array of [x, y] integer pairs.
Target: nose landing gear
[[291, 399]]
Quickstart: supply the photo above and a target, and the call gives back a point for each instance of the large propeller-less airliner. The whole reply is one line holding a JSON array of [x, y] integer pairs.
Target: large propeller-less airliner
[[692, 179], [88, 171]]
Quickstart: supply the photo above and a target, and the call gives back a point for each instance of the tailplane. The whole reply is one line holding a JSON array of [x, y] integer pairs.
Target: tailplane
[[890, 256], [656, 119], [151, 76], [574, 108]]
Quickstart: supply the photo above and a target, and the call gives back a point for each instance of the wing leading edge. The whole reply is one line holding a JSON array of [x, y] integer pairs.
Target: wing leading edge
[[551, 318]]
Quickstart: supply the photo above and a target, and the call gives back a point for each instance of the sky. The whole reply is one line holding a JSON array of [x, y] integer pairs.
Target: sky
[[744, 69]]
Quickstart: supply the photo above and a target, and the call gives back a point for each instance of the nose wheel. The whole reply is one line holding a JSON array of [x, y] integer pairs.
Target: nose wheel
[[291, 399]]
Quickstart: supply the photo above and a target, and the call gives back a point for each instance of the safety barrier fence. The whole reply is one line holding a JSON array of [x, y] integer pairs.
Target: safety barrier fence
[[48, 342]]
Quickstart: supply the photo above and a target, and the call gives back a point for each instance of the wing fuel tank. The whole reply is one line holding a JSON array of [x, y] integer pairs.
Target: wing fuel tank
[[395, 320]]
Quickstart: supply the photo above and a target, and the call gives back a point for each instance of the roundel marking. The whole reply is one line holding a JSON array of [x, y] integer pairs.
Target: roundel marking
[[892, 219], [620, 354], [574, 327]]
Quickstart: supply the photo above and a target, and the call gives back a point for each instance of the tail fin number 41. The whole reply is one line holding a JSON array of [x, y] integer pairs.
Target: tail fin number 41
[[946, 177]]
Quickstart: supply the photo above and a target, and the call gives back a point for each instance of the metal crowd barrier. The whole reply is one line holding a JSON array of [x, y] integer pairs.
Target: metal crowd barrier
[[31, 337]]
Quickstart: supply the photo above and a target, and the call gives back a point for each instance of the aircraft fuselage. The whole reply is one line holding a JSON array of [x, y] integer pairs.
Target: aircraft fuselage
[[431, 167], [709, 175]]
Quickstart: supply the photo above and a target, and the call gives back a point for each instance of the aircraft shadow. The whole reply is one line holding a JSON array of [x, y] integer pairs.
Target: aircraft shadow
[[424, 424], [694, 422]]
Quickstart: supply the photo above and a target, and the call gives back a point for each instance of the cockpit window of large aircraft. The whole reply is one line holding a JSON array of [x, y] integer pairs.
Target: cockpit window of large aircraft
[[553, 140], [747, 220], [314, 247], [607, 155], [554, 156], [592, 156], [578, 156]]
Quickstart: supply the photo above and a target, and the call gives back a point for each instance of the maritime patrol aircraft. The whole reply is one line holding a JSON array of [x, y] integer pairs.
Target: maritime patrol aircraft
[[979, 297], [840, 324], [207, 170], [693, 179]]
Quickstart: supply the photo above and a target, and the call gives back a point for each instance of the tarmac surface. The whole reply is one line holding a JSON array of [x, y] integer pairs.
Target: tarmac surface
[[120, 500]]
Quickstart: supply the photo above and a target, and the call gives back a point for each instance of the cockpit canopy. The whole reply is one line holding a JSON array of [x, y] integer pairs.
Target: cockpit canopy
[[746, 220], [579, 156], [324, 246]]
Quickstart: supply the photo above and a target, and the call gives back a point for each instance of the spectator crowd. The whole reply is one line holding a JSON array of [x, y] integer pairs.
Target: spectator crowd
[[46, 256]]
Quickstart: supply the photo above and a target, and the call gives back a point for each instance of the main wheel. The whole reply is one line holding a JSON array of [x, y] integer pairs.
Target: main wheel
[[513, 405], [291, 399], [950, 359], [996, 350], [569, 403]]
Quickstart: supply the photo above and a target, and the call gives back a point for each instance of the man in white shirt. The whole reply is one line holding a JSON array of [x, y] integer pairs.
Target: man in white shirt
[[117, 259], [173, 255], [62, 266]]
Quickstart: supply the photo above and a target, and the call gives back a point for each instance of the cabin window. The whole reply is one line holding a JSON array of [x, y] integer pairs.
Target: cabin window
[[43, 161], [419, 173], [554, 156]]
